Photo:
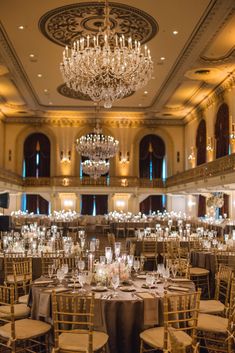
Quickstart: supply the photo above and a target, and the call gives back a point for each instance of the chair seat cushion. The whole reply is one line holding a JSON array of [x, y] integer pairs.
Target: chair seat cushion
[[198, 271], [154, 337], [25, 329], [20, 311], [23, 299], [211, 307], [212, 323], [79, 342], [19, 278]]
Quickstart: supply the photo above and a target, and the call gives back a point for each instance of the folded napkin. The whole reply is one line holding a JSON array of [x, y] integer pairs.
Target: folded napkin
[[150, 308], [46, 281], [44, 304], [181, 280], [56, 289], [181, 289]]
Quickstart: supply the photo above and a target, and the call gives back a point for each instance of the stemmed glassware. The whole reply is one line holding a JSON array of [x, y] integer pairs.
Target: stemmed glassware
[[150, 279], [115, 280], [82, 279], [136, 265], [60, 276], [74, 278], [81, 265]]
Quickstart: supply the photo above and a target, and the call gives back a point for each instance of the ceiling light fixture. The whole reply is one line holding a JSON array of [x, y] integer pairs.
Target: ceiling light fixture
[[175, 33], [21, 27], [107, 66], [163, 58], [95, 168]]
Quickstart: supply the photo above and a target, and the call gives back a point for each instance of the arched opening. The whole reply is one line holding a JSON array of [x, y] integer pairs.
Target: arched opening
[[222, 131], [201, 142], [152, 157], [36, 162]]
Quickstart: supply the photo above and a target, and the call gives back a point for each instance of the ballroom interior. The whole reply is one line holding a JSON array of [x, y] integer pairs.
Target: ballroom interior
[[117, 122]]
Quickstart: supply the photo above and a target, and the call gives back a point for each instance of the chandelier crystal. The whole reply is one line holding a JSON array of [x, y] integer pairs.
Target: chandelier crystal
[[95, 168], [97, 146], [107, 66]]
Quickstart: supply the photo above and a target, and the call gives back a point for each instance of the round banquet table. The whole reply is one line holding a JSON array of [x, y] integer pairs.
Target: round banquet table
[[122, 317]]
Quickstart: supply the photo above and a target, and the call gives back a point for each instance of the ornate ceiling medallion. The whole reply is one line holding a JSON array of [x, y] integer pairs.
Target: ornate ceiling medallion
[[65, 24]]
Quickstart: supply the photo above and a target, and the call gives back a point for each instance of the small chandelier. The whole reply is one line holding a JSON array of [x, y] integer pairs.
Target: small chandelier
[[97, 146], [95, 168], [107, 66]]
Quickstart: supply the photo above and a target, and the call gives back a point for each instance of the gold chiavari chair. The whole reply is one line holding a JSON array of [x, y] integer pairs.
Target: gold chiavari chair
[[149, 250], [219, 304], [226, 258], [23, 335], [23, 275], [181, 313], [50, 258], [216, 333], [71, 261], [73, 316]]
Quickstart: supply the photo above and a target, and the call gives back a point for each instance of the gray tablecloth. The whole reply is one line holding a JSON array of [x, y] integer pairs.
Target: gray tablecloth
[[122, 317]]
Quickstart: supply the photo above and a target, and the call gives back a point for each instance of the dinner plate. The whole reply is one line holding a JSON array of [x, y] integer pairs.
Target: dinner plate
[[77, 285], [141, 276], [99, 289], [148, 287], [127, 289]]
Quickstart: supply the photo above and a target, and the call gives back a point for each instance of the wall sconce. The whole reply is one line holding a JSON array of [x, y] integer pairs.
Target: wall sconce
[[232, 135], [65, 158], [210, 144], [191, 157], [124, 182], [124, 158]]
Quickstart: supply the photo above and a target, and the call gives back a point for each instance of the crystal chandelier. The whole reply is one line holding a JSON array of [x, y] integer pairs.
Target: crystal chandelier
[[97, 146], [107, 66], [95, 168]]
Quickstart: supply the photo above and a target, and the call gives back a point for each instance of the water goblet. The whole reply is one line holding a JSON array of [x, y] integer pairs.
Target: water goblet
[[150, 279], [136, 265], [82, 280], [60, 276], [74, 278], [81, 265], [115, 280]]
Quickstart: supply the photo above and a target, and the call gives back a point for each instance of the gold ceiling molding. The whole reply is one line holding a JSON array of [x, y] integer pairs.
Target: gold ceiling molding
[[81, 122], [230, 54], [217, 95]]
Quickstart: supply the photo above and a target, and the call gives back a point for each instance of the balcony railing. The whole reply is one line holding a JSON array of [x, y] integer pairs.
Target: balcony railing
[[7, 176], [87, 181], [215, 168]]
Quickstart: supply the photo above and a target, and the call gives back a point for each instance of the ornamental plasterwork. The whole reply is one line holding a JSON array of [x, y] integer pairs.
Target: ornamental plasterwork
[[65, 24], [81, 122]]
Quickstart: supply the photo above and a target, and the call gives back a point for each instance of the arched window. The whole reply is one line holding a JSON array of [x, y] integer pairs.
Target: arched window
[[201, 142], [36, 156], [222, 131], [152, 153]]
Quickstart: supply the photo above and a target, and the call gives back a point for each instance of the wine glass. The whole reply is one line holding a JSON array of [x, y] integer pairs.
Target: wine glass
[[60, 276], [136, 265], [81, 265], [82, 279], [65, 268], [115, 280], [74, 278], [150, 279]]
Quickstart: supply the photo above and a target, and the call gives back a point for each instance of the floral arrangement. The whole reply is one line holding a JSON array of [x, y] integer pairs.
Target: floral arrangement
[[215, 201]]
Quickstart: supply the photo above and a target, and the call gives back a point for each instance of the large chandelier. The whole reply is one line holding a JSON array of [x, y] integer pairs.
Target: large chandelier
[[95, 168], [97, 146], [107, 66]]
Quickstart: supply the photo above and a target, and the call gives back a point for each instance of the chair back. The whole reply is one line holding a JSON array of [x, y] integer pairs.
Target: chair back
[[175, 345], [181, 313], [9, 259], [223, 282], [7, 300], [73, 313], [149, 247], [50, 258]]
